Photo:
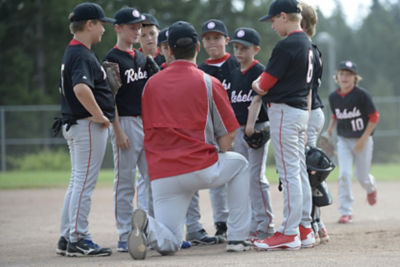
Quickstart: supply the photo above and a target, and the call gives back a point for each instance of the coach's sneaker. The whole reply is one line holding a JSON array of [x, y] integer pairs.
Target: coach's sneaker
[[202, 238], [307, 238], [238, 246], [62, 246], [371, 197], [122, 246], [86, 248], [345, 219], [221, 229], [279, 241], [137, 240], [323, 234]]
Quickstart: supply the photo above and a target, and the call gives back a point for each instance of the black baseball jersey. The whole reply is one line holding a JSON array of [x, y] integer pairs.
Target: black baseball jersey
[[291, 62], [80, 65], [316, 101], [221, 69], [241, 93], [133, 76], [351, 111]]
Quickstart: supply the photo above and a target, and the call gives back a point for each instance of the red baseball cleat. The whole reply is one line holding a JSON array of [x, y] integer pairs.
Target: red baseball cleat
[[345, 219], [279, 241], [306, 237], [371, 197]]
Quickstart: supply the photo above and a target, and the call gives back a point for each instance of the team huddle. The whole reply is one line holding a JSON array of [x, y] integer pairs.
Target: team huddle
[[184, 127]]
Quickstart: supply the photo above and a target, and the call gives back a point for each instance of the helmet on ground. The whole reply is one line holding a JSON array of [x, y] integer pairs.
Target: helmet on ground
[[319, 165]]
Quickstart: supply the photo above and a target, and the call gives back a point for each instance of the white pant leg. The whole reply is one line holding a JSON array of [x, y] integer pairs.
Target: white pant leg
[[218, 197], [363, 165], [172, 196], [345, 162], [89, 142], [141, 192], [288, 126], [193, 215], [315, 125]]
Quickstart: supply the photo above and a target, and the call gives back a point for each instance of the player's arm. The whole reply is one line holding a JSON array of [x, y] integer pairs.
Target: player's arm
[[254, 110], [225, 142], [121, 139], [264, 83], [373, 121], [332, 125], [86, 97]]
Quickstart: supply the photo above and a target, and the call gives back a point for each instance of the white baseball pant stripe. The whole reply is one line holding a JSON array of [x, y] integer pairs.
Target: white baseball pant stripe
[[172, 196], [262, 216], [362, 160], [288, 128], [87, 143], [125, 162]]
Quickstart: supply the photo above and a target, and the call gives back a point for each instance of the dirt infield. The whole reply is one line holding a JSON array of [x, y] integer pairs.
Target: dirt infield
[[29, 222]]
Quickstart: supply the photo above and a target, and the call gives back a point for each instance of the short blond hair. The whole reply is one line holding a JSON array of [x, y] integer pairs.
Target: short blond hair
[[294, 17], [78, 26], [309, 18], [356, 80]]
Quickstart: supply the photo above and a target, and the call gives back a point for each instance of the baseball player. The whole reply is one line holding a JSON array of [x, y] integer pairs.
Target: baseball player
[[148, 38], [220, 65], [285, 86], [184, 120], [246, 44], [355, 117], [87, 108], [127, 129], [317, 118]]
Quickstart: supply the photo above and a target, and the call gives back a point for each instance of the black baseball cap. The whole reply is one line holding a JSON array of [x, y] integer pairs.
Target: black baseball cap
[[246, 37], [128, 15], [278, 6], [179, 30], [348, 65], [162, 36], [87, 11], [150, 20], [214, 25]]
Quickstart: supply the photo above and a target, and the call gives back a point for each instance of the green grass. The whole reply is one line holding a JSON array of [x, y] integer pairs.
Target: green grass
[[47, 179]]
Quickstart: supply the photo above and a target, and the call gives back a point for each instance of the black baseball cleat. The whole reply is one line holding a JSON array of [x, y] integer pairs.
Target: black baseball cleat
[[238, 246], [137, 240], [86, 248], [221, 229], [62, 246], [202, 238]]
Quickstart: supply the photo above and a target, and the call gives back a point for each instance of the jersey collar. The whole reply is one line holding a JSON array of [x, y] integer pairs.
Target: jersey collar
[[296, 31], [76, 42], [255, 62], [132, 53], [218, 60], [344, 94]]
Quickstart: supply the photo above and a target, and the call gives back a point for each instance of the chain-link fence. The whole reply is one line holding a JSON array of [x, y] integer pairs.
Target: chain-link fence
[[26, 130]]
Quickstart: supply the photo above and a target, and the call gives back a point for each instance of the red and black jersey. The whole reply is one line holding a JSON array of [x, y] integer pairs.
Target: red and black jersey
[[133, 76], [80, 65], [316, 101], [221, 68], [241, 93], [351, 111], [291, 62]]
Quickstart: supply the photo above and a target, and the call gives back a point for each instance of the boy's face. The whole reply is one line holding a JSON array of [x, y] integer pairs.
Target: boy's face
[[346, 78], [165, 52], [214, 43], [278, 24], [129, 33], [244, 54], [148, 37], [97, 30]]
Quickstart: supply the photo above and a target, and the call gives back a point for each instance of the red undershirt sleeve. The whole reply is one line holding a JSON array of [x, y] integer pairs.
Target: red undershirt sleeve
[[267, 81], [374, 117]]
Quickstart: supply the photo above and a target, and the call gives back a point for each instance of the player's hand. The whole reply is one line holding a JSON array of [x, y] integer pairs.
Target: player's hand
[[122, 140], [329, 132], [249, 130], [102, 120], [359, 146]]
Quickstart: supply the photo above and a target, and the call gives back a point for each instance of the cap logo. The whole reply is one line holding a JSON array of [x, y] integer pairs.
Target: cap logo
[[135, 13], [349, 64], [166, 34], [211, 25], [240, 33]]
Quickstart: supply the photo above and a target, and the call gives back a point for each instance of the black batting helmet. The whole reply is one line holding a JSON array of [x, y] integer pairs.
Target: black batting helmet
[[319, 165]]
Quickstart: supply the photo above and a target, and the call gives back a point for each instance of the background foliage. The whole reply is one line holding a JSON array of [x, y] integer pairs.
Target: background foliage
[[34, 34]]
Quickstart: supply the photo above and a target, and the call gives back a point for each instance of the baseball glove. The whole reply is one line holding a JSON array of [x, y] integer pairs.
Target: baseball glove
[[258, 138], [113, 75], [326, 144], [151, 66]]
